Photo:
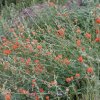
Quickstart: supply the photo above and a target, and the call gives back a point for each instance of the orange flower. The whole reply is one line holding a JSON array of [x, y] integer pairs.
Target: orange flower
[[78, 42], [34, 80], [89, 70], [23, 91], [97, 39], [53, 83], [47, 98], [58, 57], [78, 30], [61, 32], [88, 35], [39, 69], [8, 96], [71, 77], [68, 80], [66, 61], [36, 98], [80, 59], [39, 47], [77, 75], [7, 52], [98, 20], [15, 46]]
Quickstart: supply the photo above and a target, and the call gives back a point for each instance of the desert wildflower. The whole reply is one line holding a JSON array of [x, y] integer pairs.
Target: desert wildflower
[[11, 29], [78, 31], [97, 39], [36, 61], [34, 80], [71, 77], [23, 91], [89, 70], [61, 32], [39, 47], [15, 46], [77, 75], [8, 96], [78, 42], [83, 49], [33, 33], [68, 80], [28, 61], [66, 61], [4, 39], [98, 20], [58, 57], [36, 97], [97, 31], [80, 59], [41, 90], [88, 35], [47, 98], [33, 85], [7, 52]]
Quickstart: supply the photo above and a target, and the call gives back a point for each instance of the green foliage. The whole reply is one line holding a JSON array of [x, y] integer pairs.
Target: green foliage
[[54, 54]]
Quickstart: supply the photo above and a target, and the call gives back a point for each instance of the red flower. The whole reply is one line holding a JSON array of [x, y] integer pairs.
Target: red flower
[[58, 57], [61, 32], [80, 59], [15, 47], [97, 39], [68, 80], [89, 70], [83, 49], [41, 90], [28, 61], [36, 97], [7, 52], [78, 42], [8, 96], [77, 75], [36, 61], [87, 35], [98, 20], [23, 91], [97, 31], [39, 47], [33, 80], [33, 85], [66, 61], [22, 60], [3, 39]]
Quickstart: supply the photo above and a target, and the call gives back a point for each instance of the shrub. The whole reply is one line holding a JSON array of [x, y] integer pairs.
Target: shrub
[[55, 56]]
